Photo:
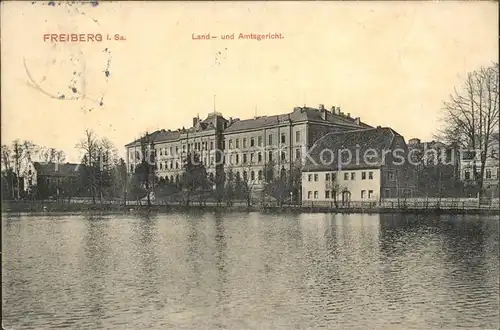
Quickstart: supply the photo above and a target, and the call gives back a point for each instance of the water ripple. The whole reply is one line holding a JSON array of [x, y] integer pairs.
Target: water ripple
[[250, 271]]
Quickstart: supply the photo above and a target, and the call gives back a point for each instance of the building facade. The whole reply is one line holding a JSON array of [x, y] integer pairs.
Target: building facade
[[471, 161], [358, 166], [244, 147], [52, 179], [437, 168]]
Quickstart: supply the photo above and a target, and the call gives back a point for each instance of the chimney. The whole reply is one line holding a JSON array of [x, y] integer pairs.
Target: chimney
[[296, 109], [333, 109], [324, 114], [195, 121], [348, 115], [338, 111], [230, 121], [357, 120], [321, 107]]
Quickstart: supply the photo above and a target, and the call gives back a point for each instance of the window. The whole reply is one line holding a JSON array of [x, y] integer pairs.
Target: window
[[297, 136], [370, 175], [346, 176], [370, 193], [298, 154], [244, 142], [252, 175], [161, 166], [223, 144], [270, 156], [161, 152], [260, 175], [467, 175], [131, 168], [316, 194], [334, 176], [237, 158], [363, 175], [327, 176], [259, 141], [390, 176], [309, 177], [353, 176], [327, 194], [252, 142], [315, 177], [488, 174], [283, 155], [176, 150], [363, 194], [388, 193], [211, 145], [237, 143], [251, 158], [244, 158], [309, 194], [283, 138], [270, 139], [259, 157]]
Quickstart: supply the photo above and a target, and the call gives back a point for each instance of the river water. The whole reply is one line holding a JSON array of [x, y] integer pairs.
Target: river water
[[250, 271]]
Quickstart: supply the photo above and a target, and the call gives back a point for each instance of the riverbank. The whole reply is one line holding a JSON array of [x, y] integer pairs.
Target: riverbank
[[53, 207]]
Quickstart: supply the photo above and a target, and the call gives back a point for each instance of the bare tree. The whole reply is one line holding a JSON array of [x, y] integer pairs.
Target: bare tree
[[60, 156], [7, 169], [471, 116], [245, 186], [90, 146], [30, 151], [17, 160], [146, 169]]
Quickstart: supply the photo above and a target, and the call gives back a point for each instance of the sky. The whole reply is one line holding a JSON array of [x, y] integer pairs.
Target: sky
[[390, 63]]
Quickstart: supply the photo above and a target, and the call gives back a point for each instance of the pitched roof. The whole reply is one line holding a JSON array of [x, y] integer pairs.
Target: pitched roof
[[54, 169], [299, 114], [159, 136], [355, 143]]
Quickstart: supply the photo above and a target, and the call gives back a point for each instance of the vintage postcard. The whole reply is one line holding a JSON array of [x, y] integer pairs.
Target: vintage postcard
[[250, 165]]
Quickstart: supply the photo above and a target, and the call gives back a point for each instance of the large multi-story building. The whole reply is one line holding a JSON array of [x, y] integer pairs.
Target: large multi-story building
[[244, 146]]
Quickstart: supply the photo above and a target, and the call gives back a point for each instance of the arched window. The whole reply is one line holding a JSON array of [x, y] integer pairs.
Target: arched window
[[260, 175], [252, 175], [172, 178], [245, 176], [211, 176]]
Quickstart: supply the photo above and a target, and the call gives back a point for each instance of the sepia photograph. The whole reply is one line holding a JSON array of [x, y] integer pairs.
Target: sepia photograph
[[250, 164]]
